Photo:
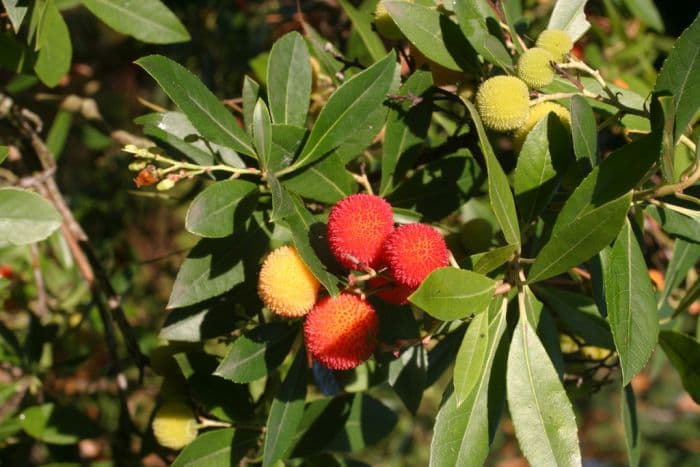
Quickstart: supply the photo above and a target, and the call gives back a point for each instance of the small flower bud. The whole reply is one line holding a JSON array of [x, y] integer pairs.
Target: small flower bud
[[165, 184], [137, 166]]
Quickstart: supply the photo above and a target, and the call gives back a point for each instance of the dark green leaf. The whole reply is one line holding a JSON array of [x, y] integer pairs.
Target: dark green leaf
[[493, 259], [203, 109], [258, 352], [16, 11], [406, 129], [326, 181], [680, 76], [471, 357], [262, 133], [570, 18], [146, 20], [592, 217], [323, 420], [684, 353], [289, 80], [464, 433], [250, 96], [54, 45], [584, 133], [4, 152], [408, 376], [222, 208], [54, 424], [685, 256], [675, 223], [544, 420], [663, 118], [282, 204], [317, 46], [362, 23], [58, 133], [647, 12], [633, 437], [369, 422], [26, 217], [286, 412], [473, 17], [286, 142], [218, 448], [348, 108], [631, 306], [198, 323], [499, 190], [449, 293]]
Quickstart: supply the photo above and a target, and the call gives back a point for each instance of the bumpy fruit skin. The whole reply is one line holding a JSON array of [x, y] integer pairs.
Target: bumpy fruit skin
[[557, 42], [534, 67], [357, 228], [285, 284], [503, 102], [341, 332], [537, 113], [385, 24], [174, 425], [413, 251], [390, 291]]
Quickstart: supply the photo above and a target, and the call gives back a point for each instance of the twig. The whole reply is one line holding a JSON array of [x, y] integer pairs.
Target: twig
[[42, 309]]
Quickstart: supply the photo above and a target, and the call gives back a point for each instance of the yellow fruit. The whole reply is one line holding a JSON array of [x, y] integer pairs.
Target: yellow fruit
[[503, 102], [174, 425], [385, 24], [567, 344], [557, 42], [534, 67], [537, 113], [285, 285], [315, 72], [441, 76], [595, 353]]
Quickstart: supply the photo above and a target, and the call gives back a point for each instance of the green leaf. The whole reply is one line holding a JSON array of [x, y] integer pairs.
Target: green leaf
[[218, 448], [406, 129], [647, 12], [675, 223], [633, 436], [684, 353], [464, 433], [289, 80], [434, 34], [543, 418], [449, 293], [54, 424], [348, 108], [58, 133], [54, 45], [286, 412], [255, 354], [593, 215], [493, 259], [680, 76], [262, 133], [222, 208], [568, 15], [199, 323], [471, 357], [308, 236], [282, 205], [203, 109], [362, 23], [685, 256], [326, 181], [474, 17], [146, 20], [250, 95], [287, 140], [408, 376], [500, 195], [584, 132], [369, 422], [26, 217], [16, 11], [4, 152], [215, 266], [631, 306]]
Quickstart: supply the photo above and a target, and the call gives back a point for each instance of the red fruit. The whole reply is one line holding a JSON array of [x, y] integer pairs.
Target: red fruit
[[6, 271], [390, 291], [413, 251], [340, 332], [357, 228]]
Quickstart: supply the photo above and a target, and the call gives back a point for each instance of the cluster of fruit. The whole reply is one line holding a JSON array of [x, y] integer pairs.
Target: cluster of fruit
[[340, 332]]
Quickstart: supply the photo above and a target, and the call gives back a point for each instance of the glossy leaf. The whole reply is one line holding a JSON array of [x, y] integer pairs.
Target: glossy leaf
[[218, 448], [54, 45], [568, 15], [471, 357], [203, 109], [221, 208], [54, 424], [326, 181], [286, 412], [289, 80], [26, 217], [287, 141], [593, 215], [684, 353], [495, 258], [250, 95], [348, 108], [146, 20], [584, 133], [282, 205], [500, 195], [262, 133], [473, 17], [449, 293], [363, 26], [680, 76], [630, 422], [256, 353], [369, 422], [408, 376], [631, 305], [543, 417], [198, 323], [675, 223]]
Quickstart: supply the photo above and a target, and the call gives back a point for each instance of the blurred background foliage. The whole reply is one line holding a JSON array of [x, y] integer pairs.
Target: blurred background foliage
[[139, 235]]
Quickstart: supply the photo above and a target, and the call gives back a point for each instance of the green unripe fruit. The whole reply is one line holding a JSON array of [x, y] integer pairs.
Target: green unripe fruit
[[557, 42], [174, 425], [537, 113], [385, 24], [535, 69], [503, 102]]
